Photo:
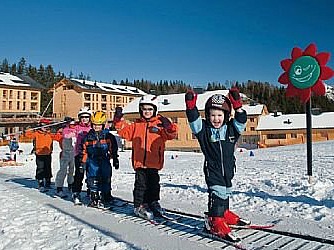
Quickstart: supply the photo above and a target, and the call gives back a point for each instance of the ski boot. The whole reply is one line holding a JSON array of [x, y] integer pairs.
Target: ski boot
[[219, 227], [60, 192], [69, 187], [76, 198], [156, 209], [233, 219], [143, 212], [47, 183], [41, 187]]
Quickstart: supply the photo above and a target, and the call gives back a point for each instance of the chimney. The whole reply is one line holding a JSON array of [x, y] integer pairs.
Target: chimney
[[165, 102]]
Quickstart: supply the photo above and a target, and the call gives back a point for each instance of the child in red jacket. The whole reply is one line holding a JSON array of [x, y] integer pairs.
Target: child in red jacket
[[148, 134]]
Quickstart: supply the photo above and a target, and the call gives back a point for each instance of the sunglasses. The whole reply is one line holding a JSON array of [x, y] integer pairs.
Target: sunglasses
[[147, 109]]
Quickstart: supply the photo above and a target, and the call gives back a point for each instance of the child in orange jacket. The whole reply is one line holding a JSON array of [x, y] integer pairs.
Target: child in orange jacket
[[43, 151], [148, 135]]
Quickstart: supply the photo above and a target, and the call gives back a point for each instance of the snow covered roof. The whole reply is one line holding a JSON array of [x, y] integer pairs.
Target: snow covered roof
[[18, 81], [175, 102], [108, 87], [295, 121]]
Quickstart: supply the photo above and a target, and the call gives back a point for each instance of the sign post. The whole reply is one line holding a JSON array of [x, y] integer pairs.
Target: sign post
[[303, 74]]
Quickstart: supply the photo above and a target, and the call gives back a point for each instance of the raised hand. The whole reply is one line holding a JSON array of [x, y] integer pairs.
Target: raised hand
[[190, 99], [165, 122], [118, 114], [235, 98]]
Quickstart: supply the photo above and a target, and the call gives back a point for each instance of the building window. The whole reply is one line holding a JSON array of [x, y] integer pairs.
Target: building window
[[193, 136], [293, 135], [87, 97], [87, 104], [18, 94], [174, 119], [252, 119], [34, 96], [33, 106], [10, 105], [103, 106], [24, 95], [4, 93], [18, 105], [118, 99], [252, 128], [24, 106], [104, 98], [11, 94], [276, 136]]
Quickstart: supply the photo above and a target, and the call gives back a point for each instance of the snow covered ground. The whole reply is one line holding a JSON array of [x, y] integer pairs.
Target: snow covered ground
[[270, 186]]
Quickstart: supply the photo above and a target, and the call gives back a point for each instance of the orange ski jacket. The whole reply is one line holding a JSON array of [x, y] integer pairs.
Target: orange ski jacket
[[148, 141], [44, 141]]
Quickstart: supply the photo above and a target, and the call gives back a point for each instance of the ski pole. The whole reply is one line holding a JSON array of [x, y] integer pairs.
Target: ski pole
[[39, 127]]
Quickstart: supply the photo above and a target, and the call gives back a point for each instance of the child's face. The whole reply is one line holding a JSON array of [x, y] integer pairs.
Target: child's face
[[97, 127], [147, 110], [216, 117], [85, 119]]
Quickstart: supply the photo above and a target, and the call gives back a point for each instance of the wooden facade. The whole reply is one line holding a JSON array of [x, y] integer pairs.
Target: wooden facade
[[281, 130], [20, 102], [69, 95]]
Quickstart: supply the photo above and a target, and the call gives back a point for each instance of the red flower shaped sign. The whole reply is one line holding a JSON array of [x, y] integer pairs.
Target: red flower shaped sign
[[305, 72]]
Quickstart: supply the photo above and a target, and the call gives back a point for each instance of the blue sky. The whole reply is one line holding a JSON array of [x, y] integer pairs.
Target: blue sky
[[190, 40]]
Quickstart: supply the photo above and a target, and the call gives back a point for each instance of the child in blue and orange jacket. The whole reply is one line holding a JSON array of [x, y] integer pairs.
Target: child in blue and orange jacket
[[217, 135]]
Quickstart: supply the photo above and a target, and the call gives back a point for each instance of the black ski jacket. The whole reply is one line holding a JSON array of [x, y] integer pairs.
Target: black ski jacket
[[217, 146]]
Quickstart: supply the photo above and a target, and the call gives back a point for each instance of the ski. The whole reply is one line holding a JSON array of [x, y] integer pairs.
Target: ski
[[236, 245], [252, 226]]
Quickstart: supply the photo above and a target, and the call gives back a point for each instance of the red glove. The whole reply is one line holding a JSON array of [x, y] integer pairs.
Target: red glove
[[118, 114], [190, 98], [235, 98], [165, 122]]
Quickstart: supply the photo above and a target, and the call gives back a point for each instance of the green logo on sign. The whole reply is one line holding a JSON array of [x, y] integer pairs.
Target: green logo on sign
[[304, 72]]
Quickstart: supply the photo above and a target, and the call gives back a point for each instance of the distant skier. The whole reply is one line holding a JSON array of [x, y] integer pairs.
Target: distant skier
[[43, 150], [217, 135], [13, 147], [148, 134], [81, 129], [99, 147]]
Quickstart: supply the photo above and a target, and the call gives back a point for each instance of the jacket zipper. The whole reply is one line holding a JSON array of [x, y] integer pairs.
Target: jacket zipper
[[221, 154], [144, 160]]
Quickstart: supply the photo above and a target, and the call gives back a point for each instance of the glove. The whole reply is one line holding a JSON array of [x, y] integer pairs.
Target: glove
[[190, 98], [115, 162], [82, 167], [235, 98], [118, 114], [165, 122]]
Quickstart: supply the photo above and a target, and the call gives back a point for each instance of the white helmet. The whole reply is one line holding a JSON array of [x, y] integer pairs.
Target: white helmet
[[149, 100], [85, 111]]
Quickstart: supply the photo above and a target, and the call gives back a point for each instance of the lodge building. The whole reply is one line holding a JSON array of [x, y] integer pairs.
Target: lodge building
[[20, 102]]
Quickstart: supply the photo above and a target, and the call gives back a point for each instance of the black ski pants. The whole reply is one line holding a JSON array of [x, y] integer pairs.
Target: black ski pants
[[78, 175], [43, 167], [146, 187], [217, 206]]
